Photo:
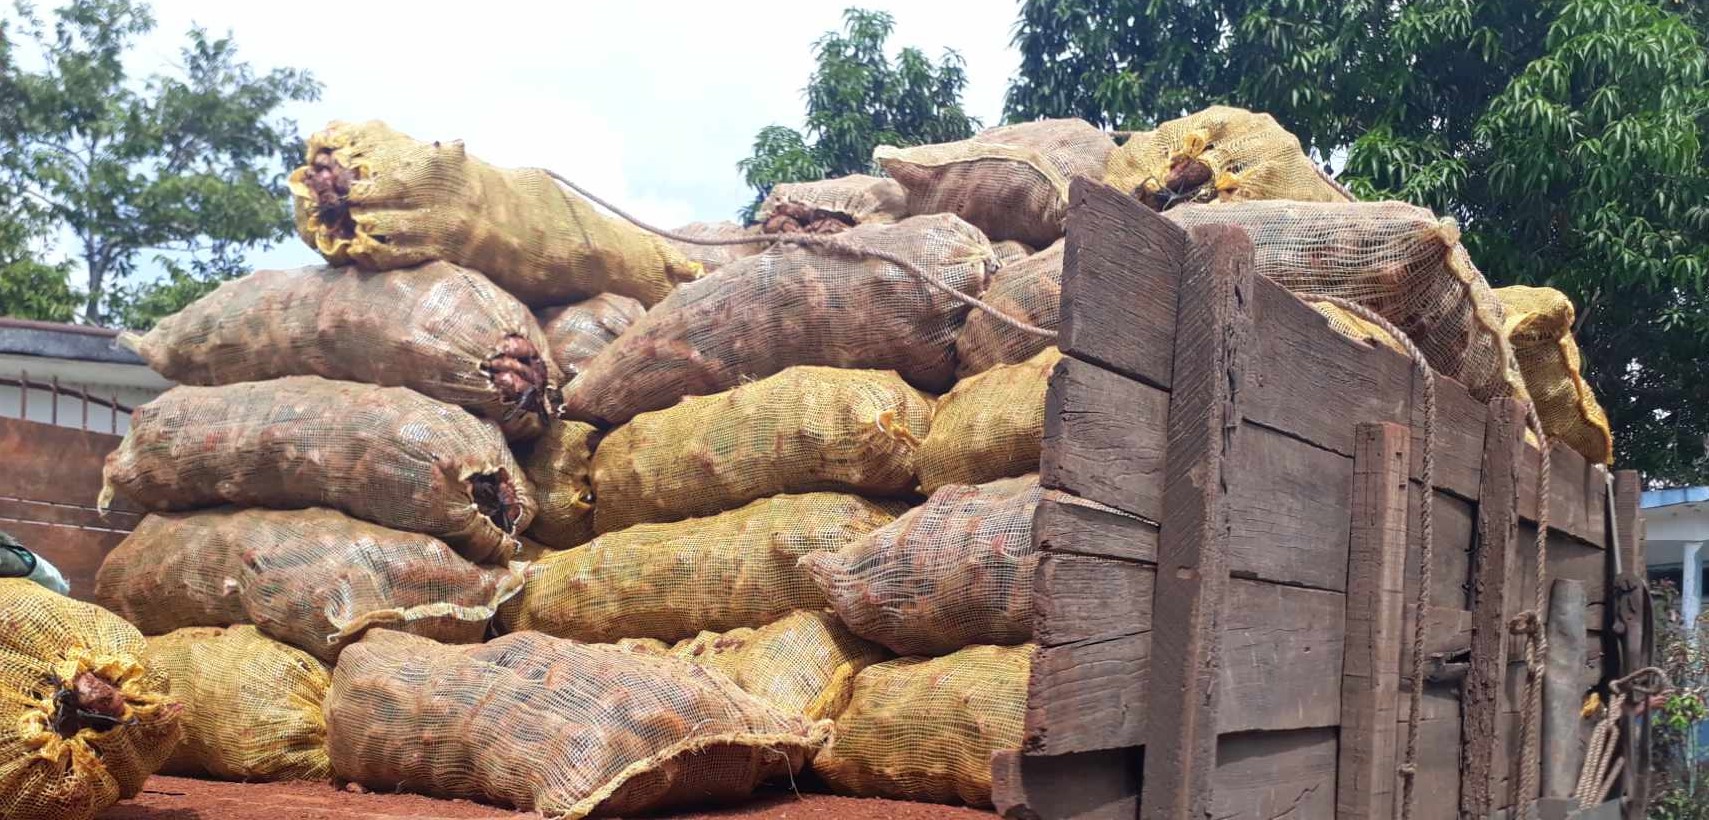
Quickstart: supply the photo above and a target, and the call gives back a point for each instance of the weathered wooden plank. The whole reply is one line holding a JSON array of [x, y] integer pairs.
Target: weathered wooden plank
[[1563, 742], [1068, 524], [1577, 492], [1288, 506], [1460, 421], [1077, 597], [1376, 581], [1451, 560], [76, 553], [1213, 338], [1087, 696], [1268, 775], [43, 512], [1281, 650], [1119, 274], [61, 465], [1628, 488], [1437, 788], [1446, 631], [1101, 785], [1104, 438], [1497, 556]]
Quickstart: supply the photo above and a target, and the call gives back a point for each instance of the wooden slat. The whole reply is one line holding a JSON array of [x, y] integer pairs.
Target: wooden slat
[[1087, 696], [1268, 775], [1076, 598], [1103, 438], [1562, 730], [1496, 557], [1376, 581], [1101, 785], [1460, 421], [1438, 786], [1119, 274], [1281, 649], [61, 465], [76, 553], [1628, 489], [1066, 524], [1455, 529], [1288, 510], [1447, 631], [1212, 344], [1577, 492]]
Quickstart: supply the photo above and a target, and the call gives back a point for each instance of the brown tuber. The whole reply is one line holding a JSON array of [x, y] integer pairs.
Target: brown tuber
[[330, 182]]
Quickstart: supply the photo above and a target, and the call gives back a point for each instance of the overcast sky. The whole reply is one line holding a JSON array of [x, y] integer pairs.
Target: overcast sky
[[649, 104]]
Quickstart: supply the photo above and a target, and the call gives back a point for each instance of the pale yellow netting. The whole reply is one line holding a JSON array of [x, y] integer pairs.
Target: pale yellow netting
[[82, 722], [1353, 327], [858, 199], [1029, 290], [671, 581], [1219, 153], [1540, 327], [383, 454], [553, 726], [795, 305], [1011, 181], [713, 257], [560, 467], [953, 572], [925, 729], [405, 202], [314, 579], [1396, 259], [578, 332], [990, 426], [804, 663], [805, 429], [252, 705], [1009, 252], [441, 330]]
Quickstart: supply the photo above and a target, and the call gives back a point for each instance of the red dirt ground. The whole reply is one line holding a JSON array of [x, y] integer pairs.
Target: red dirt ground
[[176, 798]]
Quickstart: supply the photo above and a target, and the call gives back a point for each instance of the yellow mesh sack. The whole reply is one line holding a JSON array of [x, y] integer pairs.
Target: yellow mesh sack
[[1353, 327], [803, 430], [672, 581], [955, 571], [559, 466], [1011, 181], [443, 331], [1029, 290], [1009, 252], [713, 257], [552, 726], [803, 664], [82, 722], [795, 305], [575, 333], [372, 196], [990, 426], [833, 205], [315, 579], [1396, 259], [383, 454], [925, 728], [252, 705], [1540, 327], [1222, 153]]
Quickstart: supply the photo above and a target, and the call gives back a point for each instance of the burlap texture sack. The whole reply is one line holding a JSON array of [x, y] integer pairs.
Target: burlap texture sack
[[803, 664], [1011, 181], [848, 201], [806, 429], [1009, 252], [1353, 327], [796, 305], [443, 331], [575, 333], [372, 196], [1396, 259], [955, 571], [383, 454], [82, 722], [1029, 290], [553, 726], [1222, 153], [1540, 328], [925, 728], [673, 581], [252, 705], [559, 466], [713, 257], [989, 426], [315, 579]]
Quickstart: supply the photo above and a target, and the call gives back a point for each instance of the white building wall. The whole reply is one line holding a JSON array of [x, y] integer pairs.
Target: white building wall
[[128, 385]]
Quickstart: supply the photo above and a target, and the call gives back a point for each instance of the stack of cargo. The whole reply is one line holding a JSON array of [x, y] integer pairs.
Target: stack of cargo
[[735, 512]]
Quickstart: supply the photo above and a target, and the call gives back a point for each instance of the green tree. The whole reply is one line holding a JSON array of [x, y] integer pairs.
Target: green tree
[[1569, 137], [858, 99], [183, 170]]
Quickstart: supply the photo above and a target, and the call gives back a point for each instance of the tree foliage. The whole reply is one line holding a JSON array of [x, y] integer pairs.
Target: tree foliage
[[857, 99], [1569, 137], [184, 170]]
